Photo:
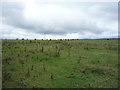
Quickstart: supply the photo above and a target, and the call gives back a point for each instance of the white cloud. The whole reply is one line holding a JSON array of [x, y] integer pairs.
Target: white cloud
[[59, 20]]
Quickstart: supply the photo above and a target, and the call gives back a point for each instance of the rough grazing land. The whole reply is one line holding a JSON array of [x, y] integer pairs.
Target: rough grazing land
[[60, 63]]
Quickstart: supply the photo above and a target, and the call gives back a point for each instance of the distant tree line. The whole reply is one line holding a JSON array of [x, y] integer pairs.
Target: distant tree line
[[49, 39], [65, 39]]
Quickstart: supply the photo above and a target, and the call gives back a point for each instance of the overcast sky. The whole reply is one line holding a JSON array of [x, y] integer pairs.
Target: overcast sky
[[71, 20]]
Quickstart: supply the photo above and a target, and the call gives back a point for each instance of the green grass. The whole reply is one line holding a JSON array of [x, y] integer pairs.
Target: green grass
[[60, 64]]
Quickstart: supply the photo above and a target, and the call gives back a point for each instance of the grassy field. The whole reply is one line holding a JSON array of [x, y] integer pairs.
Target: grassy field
[[60, 63]]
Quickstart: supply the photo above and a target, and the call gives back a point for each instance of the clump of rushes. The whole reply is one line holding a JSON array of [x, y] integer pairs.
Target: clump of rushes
[[44, 68], [21, 83], [18, 54], [79, 58], [21, 62], [27, 55], [42, 49], [69, 53], [32, 67], [6, 76], [51, 76], [86, 48], [28, 73], [56, 47], [58, 53], [7, 60], [30, 41]]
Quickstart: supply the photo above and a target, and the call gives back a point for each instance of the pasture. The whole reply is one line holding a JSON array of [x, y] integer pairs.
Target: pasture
[[59, 63]]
